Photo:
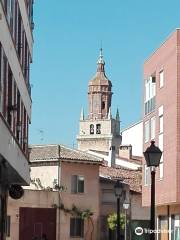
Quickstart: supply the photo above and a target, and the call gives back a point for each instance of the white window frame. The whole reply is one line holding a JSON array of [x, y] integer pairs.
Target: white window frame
[[161, 165], [146, 131], [153, 128], [161, 119], [146, 175], [161, 78]]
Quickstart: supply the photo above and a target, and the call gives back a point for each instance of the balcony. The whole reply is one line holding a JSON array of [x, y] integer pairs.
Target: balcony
[[150, 105]]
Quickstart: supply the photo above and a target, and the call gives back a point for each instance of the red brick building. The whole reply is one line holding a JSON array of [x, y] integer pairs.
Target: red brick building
[[162, 124]]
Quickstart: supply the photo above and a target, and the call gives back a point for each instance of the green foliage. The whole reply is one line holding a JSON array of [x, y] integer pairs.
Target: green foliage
[[112, 221], [74, 211]]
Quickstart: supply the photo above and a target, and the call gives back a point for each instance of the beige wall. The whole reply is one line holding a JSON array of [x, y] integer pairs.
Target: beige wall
[[87, 200], [138, 212], [108, 203], [109, 135], [33, 199]]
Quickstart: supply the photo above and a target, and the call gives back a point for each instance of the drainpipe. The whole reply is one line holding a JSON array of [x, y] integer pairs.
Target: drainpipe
[[168, 214]]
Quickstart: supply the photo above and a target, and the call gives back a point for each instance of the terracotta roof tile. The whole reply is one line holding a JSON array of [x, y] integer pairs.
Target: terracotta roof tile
[[131, 177], [56, 152]]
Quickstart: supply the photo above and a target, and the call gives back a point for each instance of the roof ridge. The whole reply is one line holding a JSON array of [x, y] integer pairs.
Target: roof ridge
[[83, 152]]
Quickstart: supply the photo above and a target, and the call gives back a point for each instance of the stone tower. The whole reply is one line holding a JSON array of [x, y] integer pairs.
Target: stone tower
[[100, 130]]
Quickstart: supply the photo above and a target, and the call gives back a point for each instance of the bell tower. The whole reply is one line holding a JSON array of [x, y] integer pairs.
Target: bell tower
[[99, 131], [99, 92]]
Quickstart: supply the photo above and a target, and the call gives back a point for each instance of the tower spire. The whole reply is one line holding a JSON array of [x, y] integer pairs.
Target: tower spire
[[82, 114], [117, 115], [100, 61]]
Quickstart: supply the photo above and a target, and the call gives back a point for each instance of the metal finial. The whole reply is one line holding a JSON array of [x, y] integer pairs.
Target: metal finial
[[101, 60]]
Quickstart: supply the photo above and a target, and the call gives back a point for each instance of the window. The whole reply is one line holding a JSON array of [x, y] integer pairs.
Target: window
[[76, 227], [77, 184], [9, 93], [163, 227], [153, 127], [146, 130], [150, 92], [161, 119], [150, 88], [103, 105], [161, 79], [161, 124], [91, 129], [175, 227], [98, 128], [8, 224], [161, 168], [161, 165], [147, 174]]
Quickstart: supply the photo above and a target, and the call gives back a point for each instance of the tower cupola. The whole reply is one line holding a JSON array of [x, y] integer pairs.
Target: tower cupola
[[99, 92]]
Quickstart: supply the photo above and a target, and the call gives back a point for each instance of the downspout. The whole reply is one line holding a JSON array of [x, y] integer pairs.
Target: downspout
[[59, 197], [168, 215]]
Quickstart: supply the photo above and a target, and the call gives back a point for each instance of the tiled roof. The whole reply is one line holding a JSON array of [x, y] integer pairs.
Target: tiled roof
[[56, 152], [44, 152], [131, 177]]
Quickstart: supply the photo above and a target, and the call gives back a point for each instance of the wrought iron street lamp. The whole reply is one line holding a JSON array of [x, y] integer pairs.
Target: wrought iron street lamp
[[152, 156], [118, 188]]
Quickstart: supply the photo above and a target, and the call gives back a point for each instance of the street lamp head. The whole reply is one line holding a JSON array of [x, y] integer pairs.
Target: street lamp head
[[126, 205], [118, 188], [152, 155]]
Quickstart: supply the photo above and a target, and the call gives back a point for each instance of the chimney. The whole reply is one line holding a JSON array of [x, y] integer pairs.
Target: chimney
[[112, 157], [125, 151]]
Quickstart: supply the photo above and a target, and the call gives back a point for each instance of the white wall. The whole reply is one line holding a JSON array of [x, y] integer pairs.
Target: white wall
[[120, 162], [12, 153], [134, 136], [46, 174]]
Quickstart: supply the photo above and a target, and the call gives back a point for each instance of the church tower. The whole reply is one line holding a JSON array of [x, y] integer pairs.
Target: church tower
[[99, 131]]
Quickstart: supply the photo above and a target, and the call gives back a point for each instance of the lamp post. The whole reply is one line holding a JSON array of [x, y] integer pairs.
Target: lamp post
[[126, 207], [118, 188], [152, 156]]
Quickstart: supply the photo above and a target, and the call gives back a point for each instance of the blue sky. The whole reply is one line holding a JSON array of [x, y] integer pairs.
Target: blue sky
[[67, 38]]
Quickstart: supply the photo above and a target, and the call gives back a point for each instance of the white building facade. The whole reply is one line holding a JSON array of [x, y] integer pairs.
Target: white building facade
[[133, 135], [16, 42]]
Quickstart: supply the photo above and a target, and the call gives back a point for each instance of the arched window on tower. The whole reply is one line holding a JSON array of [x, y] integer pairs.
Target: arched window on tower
[[98, 128], [92, 129], [103, 105]]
